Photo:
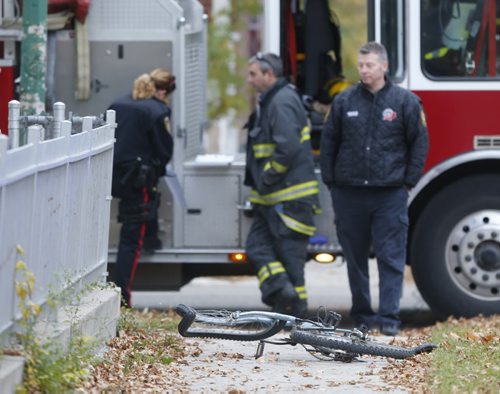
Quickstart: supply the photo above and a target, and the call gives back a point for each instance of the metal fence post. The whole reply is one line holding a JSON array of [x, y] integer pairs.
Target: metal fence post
[[59, 113], [14, 112]]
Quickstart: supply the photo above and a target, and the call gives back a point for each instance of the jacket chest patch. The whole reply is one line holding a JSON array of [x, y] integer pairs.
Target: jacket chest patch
[[389, 115], [352, 114]]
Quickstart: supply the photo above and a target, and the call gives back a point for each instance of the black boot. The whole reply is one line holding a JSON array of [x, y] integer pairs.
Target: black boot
[[286, 299], [300, 309]]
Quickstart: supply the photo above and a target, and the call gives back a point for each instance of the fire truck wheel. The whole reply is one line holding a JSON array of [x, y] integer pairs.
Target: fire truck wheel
[[455, 248]]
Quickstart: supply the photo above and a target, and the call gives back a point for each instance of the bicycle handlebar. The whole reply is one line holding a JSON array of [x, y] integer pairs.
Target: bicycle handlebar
[[188, 315]]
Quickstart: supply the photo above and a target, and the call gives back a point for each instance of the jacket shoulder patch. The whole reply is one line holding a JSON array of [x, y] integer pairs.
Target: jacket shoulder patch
[[423, 118]]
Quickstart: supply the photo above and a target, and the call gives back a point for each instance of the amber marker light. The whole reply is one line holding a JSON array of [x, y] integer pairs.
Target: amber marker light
[[324, 258], [237, 257]]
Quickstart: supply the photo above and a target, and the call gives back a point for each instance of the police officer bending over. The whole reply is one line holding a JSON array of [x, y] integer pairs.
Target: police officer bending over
[[280, 171], [143, 147]]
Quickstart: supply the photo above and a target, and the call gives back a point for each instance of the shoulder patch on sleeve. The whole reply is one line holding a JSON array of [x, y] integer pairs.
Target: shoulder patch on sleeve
[[167, 124], [422, 118]]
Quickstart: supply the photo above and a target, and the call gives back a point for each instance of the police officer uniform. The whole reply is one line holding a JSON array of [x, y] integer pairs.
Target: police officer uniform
[[143, 147], [280, 171]]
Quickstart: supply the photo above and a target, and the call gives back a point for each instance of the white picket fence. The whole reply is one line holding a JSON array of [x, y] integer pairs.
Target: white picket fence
[[55, 195]]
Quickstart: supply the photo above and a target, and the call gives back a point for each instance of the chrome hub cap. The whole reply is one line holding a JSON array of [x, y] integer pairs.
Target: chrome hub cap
[[473, 254]]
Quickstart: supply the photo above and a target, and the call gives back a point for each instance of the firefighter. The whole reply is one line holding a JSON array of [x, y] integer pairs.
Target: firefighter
[[280, 171], [143, 147]]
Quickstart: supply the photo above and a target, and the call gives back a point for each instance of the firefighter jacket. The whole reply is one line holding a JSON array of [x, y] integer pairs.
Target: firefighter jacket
[[374, 140], [279, 166]]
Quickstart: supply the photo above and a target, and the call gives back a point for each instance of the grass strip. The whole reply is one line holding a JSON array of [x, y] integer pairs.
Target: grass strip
[[468, 357]]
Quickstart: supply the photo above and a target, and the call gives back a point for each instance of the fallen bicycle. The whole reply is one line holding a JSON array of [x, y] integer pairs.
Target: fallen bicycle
[[322, 338]]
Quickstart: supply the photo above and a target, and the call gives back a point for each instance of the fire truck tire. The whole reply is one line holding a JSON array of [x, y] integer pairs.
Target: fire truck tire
[[455, 248]]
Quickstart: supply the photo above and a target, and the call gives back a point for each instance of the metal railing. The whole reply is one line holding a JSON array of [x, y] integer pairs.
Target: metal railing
[[55, 194]]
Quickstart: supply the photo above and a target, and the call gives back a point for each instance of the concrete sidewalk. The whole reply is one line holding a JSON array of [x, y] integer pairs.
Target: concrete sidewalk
[[230, 366]]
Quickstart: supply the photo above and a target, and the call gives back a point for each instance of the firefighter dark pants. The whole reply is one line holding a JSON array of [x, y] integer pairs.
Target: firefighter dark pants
[[363, 216], [271, 246], [131, 239]]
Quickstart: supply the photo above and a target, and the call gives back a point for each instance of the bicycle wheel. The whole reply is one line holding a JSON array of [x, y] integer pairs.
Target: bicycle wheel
[[222, 324], [333, 342]]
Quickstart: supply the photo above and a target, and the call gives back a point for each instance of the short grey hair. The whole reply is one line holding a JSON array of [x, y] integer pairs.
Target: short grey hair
[[268, 61], [376, 48]]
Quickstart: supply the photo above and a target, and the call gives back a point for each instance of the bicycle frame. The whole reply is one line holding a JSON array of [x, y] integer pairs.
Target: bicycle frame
[[322, 338]]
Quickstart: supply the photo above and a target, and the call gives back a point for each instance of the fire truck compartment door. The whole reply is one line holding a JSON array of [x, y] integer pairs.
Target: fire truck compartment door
[[212, 216], [111, 63]]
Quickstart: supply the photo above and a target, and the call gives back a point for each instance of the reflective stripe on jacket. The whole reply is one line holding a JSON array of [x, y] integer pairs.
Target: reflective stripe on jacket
[[280, 167], [279, 163]]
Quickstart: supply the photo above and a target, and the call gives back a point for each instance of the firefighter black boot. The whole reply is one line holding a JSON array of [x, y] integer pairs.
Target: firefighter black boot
[[286, 299], [300, 309]]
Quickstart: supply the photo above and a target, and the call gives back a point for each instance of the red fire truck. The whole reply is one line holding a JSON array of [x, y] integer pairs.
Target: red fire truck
[[443, 50], [447, 52]]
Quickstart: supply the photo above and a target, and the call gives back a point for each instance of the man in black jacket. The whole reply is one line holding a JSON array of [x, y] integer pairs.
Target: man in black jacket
[[143, 147], [373, 148], [280, 171]]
